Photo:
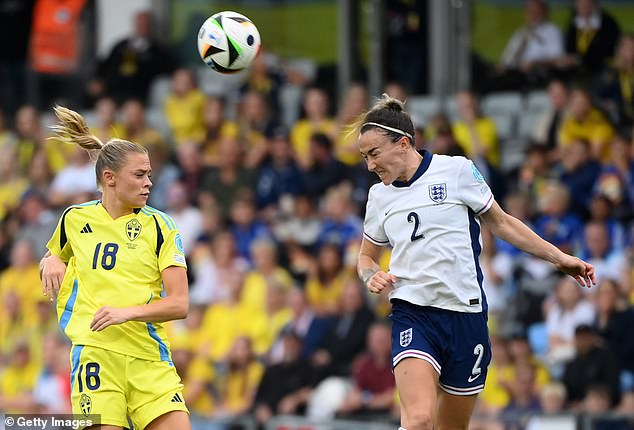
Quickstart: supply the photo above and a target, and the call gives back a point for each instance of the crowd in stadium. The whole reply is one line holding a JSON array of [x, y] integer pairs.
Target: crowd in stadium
[[271, 216]]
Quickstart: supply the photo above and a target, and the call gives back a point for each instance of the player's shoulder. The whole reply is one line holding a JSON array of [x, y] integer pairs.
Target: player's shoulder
[[164, 220], [441, 160], [83, 208]]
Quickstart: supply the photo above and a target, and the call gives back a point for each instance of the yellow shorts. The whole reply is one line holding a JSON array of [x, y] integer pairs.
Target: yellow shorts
[[116, 386]]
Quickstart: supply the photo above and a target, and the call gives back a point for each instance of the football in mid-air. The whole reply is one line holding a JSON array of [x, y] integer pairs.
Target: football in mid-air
[[228, 42]]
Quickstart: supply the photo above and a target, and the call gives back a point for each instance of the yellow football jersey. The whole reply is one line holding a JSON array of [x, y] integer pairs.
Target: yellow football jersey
[[114, 263]]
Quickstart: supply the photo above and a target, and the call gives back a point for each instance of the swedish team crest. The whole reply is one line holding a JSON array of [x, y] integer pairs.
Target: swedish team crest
[[85, 404], [133, 228], [406, 337], [438, 192]]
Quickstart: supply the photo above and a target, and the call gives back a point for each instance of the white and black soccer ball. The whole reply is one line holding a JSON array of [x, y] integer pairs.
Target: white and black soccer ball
[[228, 42]]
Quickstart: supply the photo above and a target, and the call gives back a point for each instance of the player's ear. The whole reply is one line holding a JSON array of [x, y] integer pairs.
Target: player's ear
[[108, 178]]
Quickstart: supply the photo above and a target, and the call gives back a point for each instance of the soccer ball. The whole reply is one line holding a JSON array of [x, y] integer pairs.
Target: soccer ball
[[228, 42]]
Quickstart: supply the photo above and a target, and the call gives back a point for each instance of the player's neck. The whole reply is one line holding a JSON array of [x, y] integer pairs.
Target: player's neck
[[412, 164], [114, 207]]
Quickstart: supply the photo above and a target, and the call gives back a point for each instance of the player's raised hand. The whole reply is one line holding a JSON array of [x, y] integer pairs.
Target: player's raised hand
[[580, 270], [107, 316], [380, 281], [52, 270]]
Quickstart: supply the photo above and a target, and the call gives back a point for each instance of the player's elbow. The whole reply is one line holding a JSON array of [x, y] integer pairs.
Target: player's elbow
[[181, 308]]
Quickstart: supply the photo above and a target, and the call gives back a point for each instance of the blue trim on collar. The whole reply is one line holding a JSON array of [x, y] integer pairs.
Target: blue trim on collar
[[422, 168]]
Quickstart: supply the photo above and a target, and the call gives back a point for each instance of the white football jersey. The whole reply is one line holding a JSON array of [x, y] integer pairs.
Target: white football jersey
[[431, 223]]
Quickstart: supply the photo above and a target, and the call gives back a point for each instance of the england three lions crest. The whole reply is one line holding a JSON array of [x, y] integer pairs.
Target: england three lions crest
[[406, 337], [438, 192]]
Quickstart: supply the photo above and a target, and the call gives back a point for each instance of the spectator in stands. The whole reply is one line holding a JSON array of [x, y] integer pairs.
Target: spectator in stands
[[216, 128], [132, 64], [590, 39], [17, 382], [475, 133], [12, 183], [183, 108], [255, 124], [616, 84], [616, 181], [164, 174], [136, 128], [279, 175], [231, 180], [30, 138], [239, 382], [198, 376], [584, 121], [39, 173], [326, 280], [578, 172], [265, 272], [601, 212], [532, 49], [285, 386], [52, 389], [546, 131], [569, 310], [341, 225], [75, 180], [192, 170], [592, 365], [373, 389], [305, 324], [608, 264], [185, 215], [300, 224], [214, 265], [265, 80], [246, 227], [353, 104], [37, 221], [555, 222], [346, 337], [316, 120], [614, 322], [323, 170], [440, 138], [552, 399], [596, 403], [524, 399], [108, 126]]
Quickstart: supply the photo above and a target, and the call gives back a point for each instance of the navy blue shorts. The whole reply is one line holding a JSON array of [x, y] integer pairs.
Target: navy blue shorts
[[456, 344]]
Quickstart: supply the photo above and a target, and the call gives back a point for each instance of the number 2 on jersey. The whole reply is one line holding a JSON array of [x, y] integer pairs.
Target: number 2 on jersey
[[413, 217], [109, 256]]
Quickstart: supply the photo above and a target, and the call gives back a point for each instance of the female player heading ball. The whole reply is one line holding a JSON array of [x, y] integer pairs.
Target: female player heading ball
[[119, 270], [428, 208]]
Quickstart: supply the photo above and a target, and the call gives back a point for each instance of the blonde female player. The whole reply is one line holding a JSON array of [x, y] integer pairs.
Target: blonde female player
[[428, 208], [119, 270]]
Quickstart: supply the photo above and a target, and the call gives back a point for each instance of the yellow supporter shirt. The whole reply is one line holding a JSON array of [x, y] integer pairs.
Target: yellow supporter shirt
[[199, 373], [240, 383], [228, 130], [115, 263], [185, 116], [26, 284], [301, 133], [10, 194], [18, 381], [486, 131], [224, 323], [496, 394], [595, 129], [255, 287], [320, 295], [346, 149]]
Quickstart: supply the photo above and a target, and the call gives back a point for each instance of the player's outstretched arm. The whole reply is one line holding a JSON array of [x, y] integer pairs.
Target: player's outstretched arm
[[375, 279], [518, 234], [52, 270], [174, 306]]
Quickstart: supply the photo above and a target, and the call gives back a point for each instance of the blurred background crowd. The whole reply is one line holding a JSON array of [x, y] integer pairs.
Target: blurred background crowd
[[265, 182]]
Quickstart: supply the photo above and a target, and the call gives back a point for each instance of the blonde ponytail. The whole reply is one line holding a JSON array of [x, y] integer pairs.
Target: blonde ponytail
[[74, 130]]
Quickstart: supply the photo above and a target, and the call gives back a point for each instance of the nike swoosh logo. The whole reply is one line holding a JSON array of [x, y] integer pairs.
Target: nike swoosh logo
[[473, 377]]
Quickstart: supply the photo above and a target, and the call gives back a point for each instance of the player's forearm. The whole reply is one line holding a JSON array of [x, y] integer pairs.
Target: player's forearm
[[521, 236], [366, 267], [167, 309]]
